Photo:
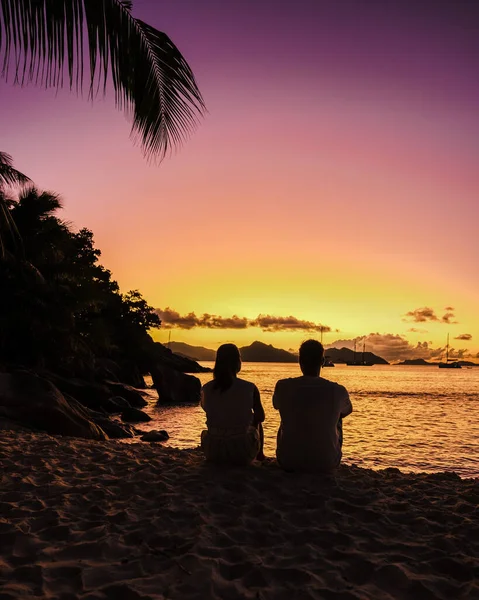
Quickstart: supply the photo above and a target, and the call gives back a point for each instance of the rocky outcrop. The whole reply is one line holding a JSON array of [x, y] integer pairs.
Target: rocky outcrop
[[98, 396], [155, 436], [113, 429], [36, 403], [166, 358], [90, 394], [130, 394], [174, 387], [134, 415]]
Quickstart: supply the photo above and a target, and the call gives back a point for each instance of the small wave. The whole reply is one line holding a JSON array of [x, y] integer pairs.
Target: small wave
[[421, 395]]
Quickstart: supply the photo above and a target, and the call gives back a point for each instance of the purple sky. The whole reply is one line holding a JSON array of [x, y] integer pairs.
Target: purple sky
[[339, 127]]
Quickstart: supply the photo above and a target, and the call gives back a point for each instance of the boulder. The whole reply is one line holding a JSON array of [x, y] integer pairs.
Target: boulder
[[134, 415], [92, 395], [34, 402], [111, 407], [155, 436], [130, 394], [113, 429], [120, 402], [174, 387]]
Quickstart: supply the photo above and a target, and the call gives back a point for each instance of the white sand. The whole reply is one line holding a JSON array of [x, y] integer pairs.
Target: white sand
[[81, 519]]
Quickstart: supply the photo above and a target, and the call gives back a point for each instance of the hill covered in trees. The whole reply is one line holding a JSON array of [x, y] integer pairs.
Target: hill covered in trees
[[67, 333], [60, 309]]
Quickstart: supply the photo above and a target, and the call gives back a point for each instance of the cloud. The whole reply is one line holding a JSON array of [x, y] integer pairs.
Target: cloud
[[172, 319], [416, 330], [422, 315], [447, 318], [394, 347], [464, 336], [271, 323]]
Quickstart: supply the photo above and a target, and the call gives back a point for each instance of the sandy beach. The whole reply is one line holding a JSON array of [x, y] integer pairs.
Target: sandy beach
[[95, 520]]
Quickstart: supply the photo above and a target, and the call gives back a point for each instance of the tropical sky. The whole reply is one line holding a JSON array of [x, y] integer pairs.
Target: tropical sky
[[332, 185]]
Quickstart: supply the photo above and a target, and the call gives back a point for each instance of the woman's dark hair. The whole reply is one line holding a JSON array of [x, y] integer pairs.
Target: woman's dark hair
[[227, 366]]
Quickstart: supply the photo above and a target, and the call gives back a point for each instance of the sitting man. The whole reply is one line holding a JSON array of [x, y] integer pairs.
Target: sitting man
[[311, 409]]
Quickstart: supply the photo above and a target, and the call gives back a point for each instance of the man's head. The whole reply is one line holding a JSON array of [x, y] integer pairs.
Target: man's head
[[311, 357]]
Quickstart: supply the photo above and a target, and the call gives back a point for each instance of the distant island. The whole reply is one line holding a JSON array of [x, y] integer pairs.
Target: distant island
[[192, 352], [345, 355], [417, 362], [260, 352], [256, 352], [424, 363]]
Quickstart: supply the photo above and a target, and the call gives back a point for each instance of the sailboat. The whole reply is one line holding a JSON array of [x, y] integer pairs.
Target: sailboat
[[450, 362], [327, 360], [362, 362]]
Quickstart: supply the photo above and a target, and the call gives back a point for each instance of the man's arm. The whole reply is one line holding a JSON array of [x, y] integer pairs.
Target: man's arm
[[345, 406], [276, 396], [258, 410]]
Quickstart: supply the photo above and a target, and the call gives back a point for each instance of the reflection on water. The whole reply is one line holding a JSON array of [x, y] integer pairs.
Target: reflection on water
[[413, 418]]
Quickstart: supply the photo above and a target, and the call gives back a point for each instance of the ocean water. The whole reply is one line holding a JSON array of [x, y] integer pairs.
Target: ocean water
[[412, 418]]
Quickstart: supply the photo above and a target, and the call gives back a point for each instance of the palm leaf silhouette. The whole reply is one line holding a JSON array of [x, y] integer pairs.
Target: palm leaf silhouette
[[48, 41], [9, 175]]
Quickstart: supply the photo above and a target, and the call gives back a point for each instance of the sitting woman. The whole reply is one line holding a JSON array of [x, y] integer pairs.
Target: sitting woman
[[234, 413]]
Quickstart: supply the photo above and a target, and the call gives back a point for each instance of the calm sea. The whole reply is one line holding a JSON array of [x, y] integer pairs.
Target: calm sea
[[413, 418]]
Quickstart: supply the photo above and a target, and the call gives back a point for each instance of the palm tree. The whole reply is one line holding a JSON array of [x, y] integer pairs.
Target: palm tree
[[8, 177], [42, 41]]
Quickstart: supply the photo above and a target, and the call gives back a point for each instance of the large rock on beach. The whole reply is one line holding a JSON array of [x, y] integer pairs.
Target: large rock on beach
[[98, 395], [92, 395], [134, 415], [120, 402], [113, 429], [155, 436], [130, 394], [174, 387], [34, 402]]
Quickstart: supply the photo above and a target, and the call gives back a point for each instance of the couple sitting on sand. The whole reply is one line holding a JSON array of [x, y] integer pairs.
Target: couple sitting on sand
[[311, 409]]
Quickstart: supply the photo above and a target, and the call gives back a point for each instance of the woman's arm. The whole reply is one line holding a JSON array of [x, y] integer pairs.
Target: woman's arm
[[258, 410]]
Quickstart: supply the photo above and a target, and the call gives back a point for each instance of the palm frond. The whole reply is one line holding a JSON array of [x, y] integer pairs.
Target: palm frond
[[42, 40], [8, 227], [9, 175]]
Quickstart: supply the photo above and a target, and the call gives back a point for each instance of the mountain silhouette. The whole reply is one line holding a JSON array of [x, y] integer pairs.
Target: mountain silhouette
[[256, 352], [194, 352], [259, 352], [345, 355]]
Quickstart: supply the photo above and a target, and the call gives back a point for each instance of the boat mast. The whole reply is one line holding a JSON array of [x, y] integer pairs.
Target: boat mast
[[447, 349], [364, 346]]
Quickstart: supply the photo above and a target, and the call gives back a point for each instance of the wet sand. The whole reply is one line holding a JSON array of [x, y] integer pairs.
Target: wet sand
[[105, 520]]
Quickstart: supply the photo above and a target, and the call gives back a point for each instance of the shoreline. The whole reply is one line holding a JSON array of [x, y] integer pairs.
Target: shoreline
[[103, 519]]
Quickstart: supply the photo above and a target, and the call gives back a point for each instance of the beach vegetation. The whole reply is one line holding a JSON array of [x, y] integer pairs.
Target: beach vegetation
[[60, 309]]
